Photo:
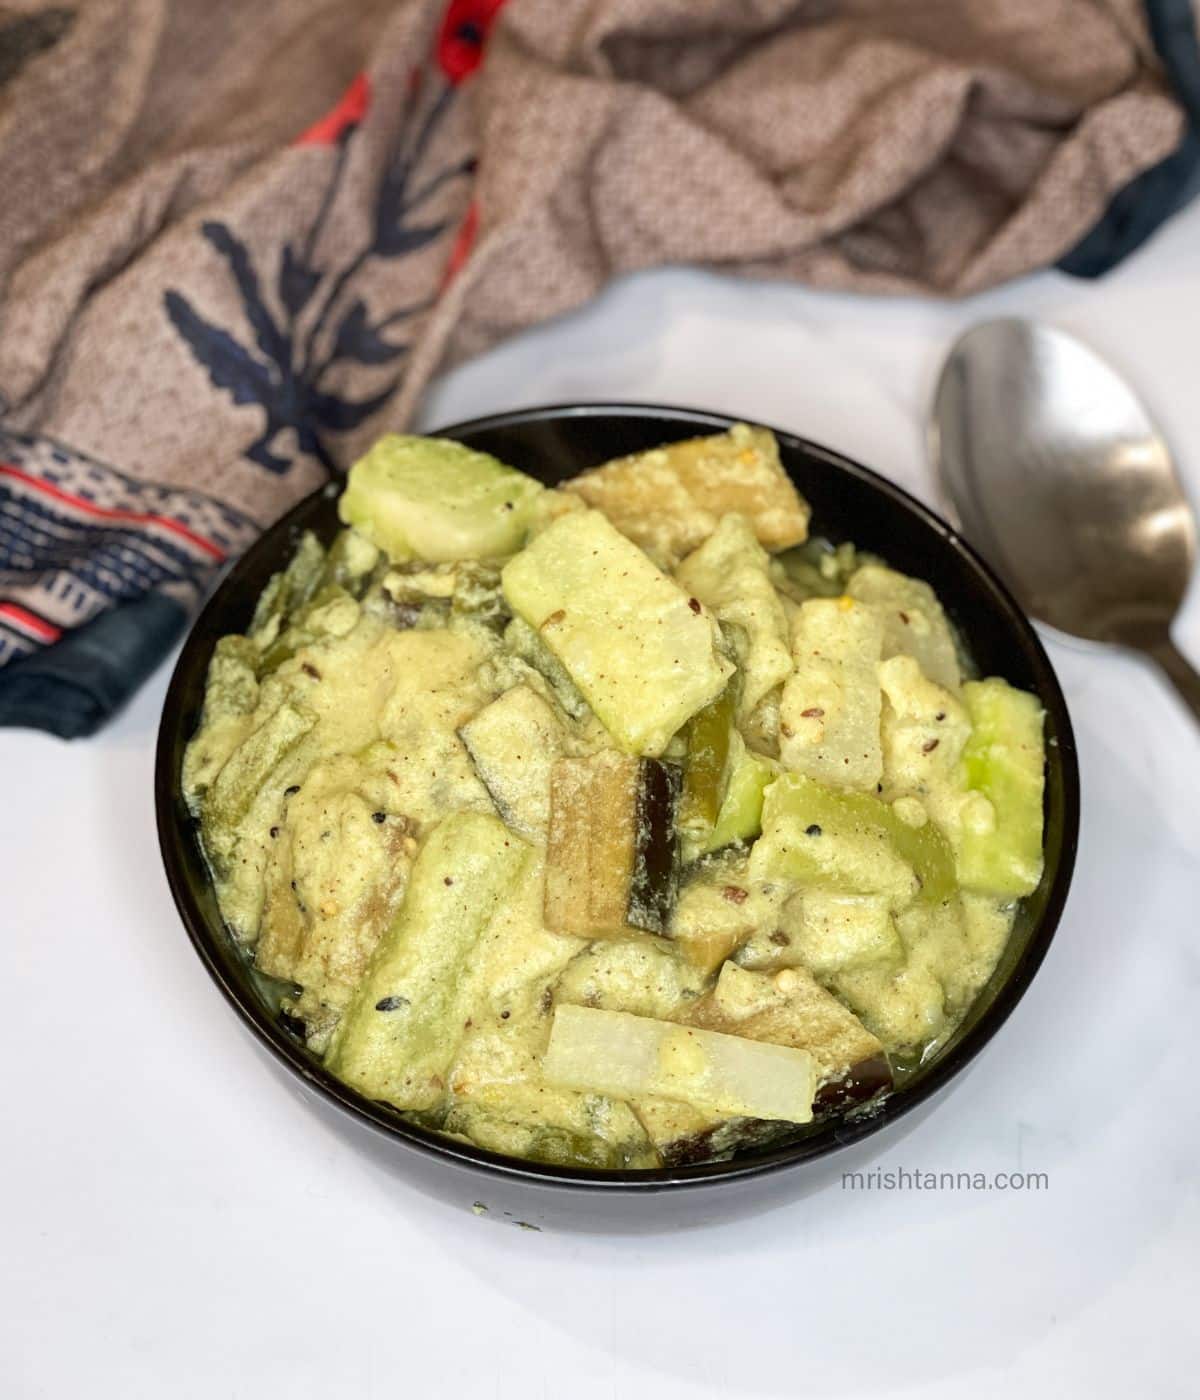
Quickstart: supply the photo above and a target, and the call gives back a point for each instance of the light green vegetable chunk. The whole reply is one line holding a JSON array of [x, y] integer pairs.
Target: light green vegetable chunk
[[1004, 760], [740, 817], [247, 769], [710, 735], [400, 1034], [834, 932], [513, 743], [641, 654], [729, 573], [914, 623], [613, 1052], [830, 710], [850, 843], [434, 499]]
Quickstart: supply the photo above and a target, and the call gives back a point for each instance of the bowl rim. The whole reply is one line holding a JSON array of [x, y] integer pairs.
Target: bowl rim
[[838, 1133]]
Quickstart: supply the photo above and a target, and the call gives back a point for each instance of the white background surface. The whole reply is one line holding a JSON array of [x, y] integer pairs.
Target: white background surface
[[175, 1223]]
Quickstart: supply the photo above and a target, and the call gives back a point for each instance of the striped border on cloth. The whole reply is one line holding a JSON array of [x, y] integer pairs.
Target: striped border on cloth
[[78, 537]]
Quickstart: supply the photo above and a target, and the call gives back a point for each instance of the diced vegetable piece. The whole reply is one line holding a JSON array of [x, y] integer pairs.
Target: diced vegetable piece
[[924, 728], [829, 713], [593, 804], [434, 499], [815, 569], [706, 772], [230, 697], [525, 643], [245, 772], [399, 1035], [288, 590], [729, 573], [656, 847], [838, 931], [612, 1052], [611, 845], [791, 1008], [523, 1124], [905, 1009], [1005, 761], [513, 743], [642, 975], [670, 499], [740, 817], [717, 911], [682, 1134], [331, 612], [914, 623], [849, 843], [349, 563], [643, 655]]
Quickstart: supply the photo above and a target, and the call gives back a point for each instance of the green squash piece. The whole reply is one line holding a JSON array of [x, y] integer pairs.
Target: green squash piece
[[642, 653], [849, 842], [1005, 760], [740, 815], [400, 1034], [434, 499], [706, 773]]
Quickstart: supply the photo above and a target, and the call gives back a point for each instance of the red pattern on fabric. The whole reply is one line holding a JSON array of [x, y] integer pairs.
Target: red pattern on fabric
[[132, 517], [464, 31], [30, 622], [464, 241], [351, 108]]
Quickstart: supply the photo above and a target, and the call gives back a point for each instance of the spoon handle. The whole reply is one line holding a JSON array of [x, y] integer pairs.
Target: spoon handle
[[1179, 671]]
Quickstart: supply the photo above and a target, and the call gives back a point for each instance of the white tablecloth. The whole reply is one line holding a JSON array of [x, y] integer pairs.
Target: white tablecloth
[[175, 1223]]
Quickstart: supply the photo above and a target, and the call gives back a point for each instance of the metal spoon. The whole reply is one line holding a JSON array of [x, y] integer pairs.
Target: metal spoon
[[1060, 479]]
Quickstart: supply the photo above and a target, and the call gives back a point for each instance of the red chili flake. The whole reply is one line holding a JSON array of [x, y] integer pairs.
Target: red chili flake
[[735, 894], [694, 604], [310, 670], [447, 881], [787, 731], [930, 745], [813, 712], [904, 618], [554, 619]]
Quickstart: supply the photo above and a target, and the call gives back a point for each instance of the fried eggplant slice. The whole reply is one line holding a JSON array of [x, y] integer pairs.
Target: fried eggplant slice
[[611, 854]]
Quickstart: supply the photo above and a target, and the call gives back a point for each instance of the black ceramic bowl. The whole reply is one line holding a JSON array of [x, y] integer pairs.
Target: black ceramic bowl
[[848, 502]]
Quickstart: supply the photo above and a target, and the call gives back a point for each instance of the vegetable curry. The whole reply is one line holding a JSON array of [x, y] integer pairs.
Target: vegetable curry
[[618, 824]]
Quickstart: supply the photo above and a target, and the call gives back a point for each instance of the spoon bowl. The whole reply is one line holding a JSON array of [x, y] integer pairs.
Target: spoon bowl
[[1061, 480]]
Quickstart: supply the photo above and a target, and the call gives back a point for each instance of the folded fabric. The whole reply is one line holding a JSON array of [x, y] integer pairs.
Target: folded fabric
[[237, 240]]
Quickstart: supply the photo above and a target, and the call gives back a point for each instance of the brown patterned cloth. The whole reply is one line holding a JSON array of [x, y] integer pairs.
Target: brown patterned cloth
[[236, 240]]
